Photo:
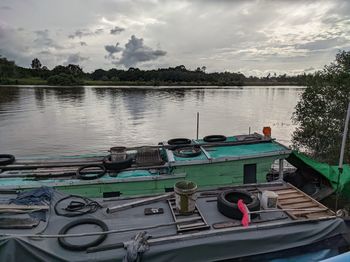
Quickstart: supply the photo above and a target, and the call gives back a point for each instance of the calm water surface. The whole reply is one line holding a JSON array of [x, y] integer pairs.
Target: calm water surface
[[75, 120]]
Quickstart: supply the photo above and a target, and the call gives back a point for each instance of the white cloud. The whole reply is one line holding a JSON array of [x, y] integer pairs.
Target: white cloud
[[222, 35]]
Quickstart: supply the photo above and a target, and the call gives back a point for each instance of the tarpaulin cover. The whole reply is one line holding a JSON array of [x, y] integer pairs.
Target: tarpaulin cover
[[300, 160], [278, 234]]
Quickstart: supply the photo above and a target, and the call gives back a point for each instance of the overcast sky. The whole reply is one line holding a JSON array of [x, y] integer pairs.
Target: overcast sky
[[253, 37]]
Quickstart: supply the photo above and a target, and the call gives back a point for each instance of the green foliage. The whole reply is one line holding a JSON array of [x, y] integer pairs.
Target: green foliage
[[321, 111], [178, 75], [36, 64], [7, 69], [63, 79]]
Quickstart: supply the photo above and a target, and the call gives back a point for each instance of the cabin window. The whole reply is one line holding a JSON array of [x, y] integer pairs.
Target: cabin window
[[249, 174], [169, 189], [111, 194]]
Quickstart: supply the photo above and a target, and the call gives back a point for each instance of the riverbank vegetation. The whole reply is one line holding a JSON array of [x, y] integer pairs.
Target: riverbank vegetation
[[11, 74], [321, 111]]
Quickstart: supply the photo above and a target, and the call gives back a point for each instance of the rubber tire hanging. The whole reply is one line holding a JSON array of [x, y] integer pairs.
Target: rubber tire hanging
[[118, 165], [214, 138], [8, 159], [85, 176], [186, 152], [179, 141]]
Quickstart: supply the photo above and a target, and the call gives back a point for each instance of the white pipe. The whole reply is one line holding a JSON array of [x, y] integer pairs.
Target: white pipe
[[346, 127]]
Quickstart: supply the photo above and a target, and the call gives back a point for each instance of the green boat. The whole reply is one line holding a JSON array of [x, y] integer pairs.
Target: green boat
[[212, 161]]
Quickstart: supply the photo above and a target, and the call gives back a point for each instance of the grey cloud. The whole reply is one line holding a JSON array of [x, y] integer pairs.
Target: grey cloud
[[84, 32], [309, 69], [135, 52], [116, 30], [323, 44], [111, 49], [75, 59], [98, 31], [44, 40], [82, 43], [45, 52], [5, 7]]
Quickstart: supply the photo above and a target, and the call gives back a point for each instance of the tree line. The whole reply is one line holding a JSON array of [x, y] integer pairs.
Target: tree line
[[72, 74]]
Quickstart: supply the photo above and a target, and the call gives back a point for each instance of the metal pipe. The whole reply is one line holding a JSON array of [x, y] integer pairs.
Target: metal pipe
[[341, 157], [346, 127], [197, 125], [138, 203], [280, 173]]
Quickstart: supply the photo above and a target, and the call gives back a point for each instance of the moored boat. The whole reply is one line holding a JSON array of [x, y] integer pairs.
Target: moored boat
[[151, 228], [211, 161]]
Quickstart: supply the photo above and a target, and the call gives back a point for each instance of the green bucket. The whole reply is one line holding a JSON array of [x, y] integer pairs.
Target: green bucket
[[185, 196]]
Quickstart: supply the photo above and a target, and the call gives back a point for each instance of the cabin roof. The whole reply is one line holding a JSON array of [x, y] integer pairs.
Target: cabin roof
[[256, 150]]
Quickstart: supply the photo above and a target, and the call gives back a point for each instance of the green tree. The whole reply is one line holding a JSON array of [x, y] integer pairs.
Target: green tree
[[321, 111], [36, 63]]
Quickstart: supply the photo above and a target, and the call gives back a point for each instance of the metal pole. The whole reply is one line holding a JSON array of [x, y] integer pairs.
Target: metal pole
[[280, 170], [197, 124], [341, 157]]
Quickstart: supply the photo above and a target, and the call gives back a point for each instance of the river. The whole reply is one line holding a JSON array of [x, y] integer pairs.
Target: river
[[37, 121]]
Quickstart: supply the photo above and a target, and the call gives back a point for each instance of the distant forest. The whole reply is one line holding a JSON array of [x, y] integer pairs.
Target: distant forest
[[71, 74]]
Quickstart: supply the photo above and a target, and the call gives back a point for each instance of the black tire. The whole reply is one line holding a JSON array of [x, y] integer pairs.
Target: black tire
[[187, 151], [86, 176], [9, 159], [179, 141], [63, 243], [227, 203], [116, 166], [214, 138]]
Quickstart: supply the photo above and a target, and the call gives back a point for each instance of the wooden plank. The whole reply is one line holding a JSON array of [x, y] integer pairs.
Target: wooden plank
[[292, 201], [299, 213], [313, 200], [290, 196], [318, 215], [288, 212], [284, 191], [300, 205]]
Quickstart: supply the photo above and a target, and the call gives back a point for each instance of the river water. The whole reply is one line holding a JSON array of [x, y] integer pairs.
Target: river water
[[78, 120]]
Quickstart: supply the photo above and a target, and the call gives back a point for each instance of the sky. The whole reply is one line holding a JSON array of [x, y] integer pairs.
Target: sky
[[251, 37]]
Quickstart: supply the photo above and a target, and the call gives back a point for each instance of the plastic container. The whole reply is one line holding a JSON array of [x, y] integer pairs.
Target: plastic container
[[185, 196], [268, 199], [267, 131]]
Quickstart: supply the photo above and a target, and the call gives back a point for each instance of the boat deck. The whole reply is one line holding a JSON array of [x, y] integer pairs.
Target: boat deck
[[235, 148], [299, 221]]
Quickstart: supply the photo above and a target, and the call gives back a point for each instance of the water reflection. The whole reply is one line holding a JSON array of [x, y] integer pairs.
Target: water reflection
[[73, 120], [8, 95], [68, 94]]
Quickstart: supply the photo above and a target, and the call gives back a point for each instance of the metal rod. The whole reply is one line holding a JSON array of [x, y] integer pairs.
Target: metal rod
[[341, 157], [138, 203], [280, 173], [346, 127], [197, 125], [288, 209]]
